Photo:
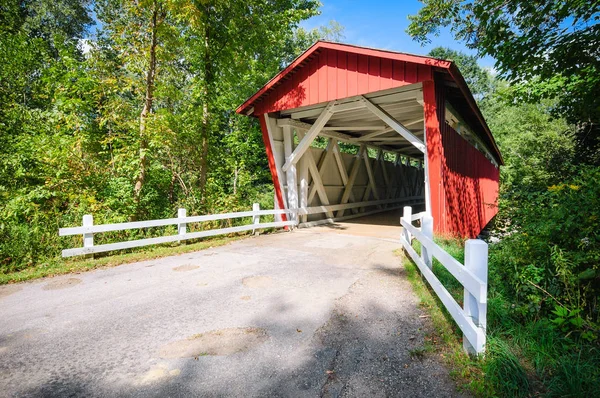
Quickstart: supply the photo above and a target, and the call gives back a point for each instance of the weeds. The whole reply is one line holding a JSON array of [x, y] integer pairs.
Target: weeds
[[524, 356]]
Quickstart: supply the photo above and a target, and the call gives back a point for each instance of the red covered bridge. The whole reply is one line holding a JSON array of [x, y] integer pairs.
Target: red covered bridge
[[351, 131]]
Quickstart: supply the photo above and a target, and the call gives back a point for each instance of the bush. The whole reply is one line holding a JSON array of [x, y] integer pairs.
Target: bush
[[548, 260]]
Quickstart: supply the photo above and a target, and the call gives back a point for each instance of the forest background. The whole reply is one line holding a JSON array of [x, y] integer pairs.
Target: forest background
[[141, 121]]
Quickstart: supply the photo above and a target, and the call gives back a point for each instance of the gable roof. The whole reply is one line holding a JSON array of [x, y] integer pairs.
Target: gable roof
[[269, 97]]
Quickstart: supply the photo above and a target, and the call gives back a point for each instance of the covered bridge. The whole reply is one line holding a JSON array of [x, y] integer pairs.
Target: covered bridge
[[350, 131]]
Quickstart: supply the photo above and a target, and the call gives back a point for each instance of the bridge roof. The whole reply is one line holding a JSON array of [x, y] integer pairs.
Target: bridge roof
[[331, 71]]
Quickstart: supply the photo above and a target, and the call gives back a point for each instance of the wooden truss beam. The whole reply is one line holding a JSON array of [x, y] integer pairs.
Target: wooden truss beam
[[351, 178], [316, 177], [354, 128], [393, 123], [310, 136]]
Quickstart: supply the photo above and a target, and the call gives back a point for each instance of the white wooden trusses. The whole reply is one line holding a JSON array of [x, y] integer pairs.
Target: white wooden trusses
[[389, 122]]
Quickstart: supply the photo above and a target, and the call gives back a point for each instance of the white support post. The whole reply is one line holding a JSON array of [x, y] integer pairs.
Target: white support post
[[427, 230], [303, 179], [476, 261], [182, 227], [407, 216], [255, 217], [290, 175], [88, 238]]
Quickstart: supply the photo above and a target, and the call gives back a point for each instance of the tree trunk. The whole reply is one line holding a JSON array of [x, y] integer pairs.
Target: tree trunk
[[235, 178], [147, 109], [205, 128]]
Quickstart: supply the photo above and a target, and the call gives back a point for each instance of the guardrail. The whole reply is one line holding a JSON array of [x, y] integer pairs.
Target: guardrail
[[471, 319], [89, 229]]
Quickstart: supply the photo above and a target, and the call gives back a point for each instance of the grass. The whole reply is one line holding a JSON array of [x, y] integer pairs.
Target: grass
[[523, 358], [62, 266]]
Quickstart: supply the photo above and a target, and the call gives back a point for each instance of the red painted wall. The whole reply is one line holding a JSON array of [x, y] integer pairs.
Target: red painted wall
[[463, 182], [334, 74], [470, 185]]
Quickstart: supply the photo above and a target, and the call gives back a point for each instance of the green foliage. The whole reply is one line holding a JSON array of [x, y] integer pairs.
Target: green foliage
[[479, 80], [71, 141], [550, 49], [522, 359]]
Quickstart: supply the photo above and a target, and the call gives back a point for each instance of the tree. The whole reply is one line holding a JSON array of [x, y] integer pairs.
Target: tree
[[38, 120], [478, 79], [551, 48]]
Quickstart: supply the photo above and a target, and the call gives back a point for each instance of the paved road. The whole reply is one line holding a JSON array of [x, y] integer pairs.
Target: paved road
[[303, 314]]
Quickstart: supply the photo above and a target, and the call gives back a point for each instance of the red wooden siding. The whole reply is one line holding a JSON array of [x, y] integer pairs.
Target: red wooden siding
[[434, 153], [464, 183], [334, 74], [470, 185], [272, 166]]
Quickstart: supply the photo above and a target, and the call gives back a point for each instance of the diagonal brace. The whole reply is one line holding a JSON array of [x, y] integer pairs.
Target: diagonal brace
[[393, 123], [310, 136]]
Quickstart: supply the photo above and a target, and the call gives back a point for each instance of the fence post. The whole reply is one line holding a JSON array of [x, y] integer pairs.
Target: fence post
[[427, 230], [182, 227], [255, 217], [407, 216], [88, 238], [476, 261]]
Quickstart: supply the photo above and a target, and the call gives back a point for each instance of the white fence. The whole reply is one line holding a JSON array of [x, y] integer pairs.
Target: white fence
[[471, 319], [89, 229]]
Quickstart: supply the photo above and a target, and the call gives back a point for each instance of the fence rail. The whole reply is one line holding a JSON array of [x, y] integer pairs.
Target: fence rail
[[88, 229], [471, 319]]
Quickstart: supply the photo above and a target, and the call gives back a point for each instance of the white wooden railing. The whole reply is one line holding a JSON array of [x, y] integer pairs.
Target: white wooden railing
[[471, 319], [89, 229]]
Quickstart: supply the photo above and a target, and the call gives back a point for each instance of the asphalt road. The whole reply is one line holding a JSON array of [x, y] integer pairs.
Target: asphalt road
[[304, 314]]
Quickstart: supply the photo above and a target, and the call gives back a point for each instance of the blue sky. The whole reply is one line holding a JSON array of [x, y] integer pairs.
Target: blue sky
[[382, 24]]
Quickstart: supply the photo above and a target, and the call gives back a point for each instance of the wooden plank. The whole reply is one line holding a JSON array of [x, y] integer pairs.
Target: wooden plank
[[393, 123], [170, 238], [352, 73], [279, 190], [291, 183], [466, 277], [355, 128], [349, 106], [363, 73], [167, 221], [474, 334], [374, 74], [303, 180], [309, 137], [386, 178], [351, 216], [346, 206], [323, 161], [368, 137], [352, 178], [372, 182], [316, 176], [341, 167]]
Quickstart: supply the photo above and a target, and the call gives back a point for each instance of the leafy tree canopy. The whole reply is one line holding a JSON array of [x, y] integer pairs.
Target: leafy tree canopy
[[551, 48], [478, 79]]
